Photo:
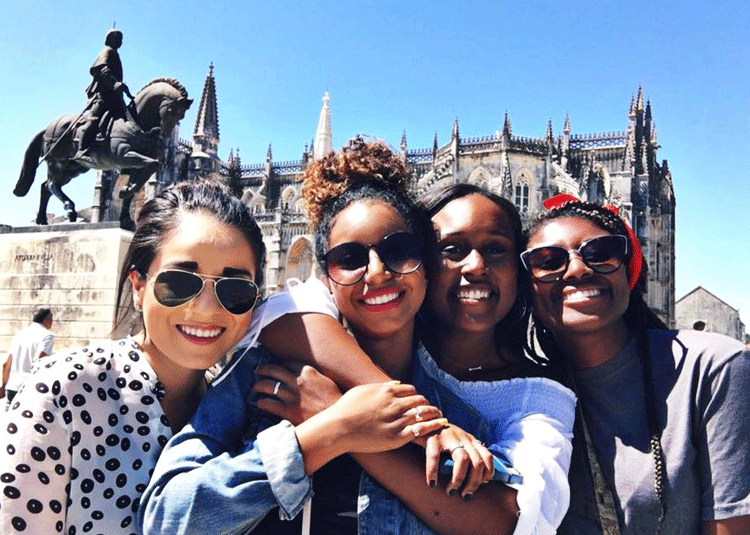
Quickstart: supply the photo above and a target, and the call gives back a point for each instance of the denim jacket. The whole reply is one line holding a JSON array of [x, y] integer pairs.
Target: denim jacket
[[230, 466], [233, 464]]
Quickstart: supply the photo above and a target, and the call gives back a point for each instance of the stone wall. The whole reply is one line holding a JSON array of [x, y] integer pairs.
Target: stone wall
[[71, 268]]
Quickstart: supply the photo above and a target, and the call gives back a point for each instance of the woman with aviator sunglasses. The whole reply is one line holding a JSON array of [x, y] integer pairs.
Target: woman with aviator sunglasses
[[82, 437], [662, 436]]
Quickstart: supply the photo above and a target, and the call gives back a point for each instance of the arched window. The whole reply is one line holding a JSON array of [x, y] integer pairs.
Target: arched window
[[480, 177], [300, 260], [521, 197], [521, 191], [288, 197]]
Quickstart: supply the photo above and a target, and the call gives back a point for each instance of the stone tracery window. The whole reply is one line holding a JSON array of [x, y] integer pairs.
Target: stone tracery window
[[300, 261], [521, 192], [288, 197]]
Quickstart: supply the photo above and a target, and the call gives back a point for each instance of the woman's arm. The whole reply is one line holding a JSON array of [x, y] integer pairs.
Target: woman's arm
[[320, 340], [403, 471], [724, 437], [301, 323], [731, 526], [492, 509]]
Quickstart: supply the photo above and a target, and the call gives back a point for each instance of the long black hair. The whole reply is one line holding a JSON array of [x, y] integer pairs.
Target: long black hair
[[510, 332], [161, 215], [638, 317]]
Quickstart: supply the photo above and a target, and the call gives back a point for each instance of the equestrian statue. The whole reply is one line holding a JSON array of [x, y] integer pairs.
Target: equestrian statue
[[107, 135]]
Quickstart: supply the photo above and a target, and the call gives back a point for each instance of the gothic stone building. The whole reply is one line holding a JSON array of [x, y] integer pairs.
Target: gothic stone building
[[618, 168]]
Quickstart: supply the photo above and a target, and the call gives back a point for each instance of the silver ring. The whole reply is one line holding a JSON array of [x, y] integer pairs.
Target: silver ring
[[418, 414], [416, 429], [459, 447], [276, 388]]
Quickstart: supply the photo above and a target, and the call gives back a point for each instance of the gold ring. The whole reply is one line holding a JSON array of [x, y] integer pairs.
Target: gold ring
[[276, 388]]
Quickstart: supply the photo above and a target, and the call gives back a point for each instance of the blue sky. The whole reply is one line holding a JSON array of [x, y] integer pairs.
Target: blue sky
[[391, 66]]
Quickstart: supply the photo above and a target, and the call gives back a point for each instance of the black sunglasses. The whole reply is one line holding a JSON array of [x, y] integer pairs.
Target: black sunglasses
[[603, 254], [174, 287], [347, 263]]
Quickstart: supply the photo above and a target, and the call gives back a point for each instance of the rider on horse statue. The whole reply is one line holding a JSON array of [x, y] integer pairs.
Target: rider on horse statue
[[105, 93]]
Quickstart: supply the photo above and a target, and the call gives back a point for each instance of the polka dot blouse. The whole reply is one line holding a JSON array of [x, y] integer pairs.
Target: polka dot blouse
[[80, 441]]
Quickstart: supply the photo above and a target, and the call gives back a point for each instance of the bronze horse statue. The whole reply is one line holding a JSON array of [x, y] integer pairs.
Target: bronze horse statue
[[129, 146]]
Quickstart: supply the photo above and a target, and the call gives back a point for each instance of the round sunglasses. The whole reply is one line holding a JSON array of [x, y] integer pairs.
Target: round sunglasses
[[603, 255], [174, 287], [347, 263]]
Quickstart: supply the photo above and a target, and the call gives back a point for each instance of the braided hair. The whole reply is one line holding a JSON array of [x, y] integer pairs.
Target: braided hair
[[638, 317]]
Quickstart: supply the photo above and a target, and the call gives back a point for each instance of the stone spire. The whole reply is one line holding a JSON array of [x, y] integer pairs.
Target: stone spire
[[639, 99], [206, 133], [506, 125], [323, 138], [565, 143]]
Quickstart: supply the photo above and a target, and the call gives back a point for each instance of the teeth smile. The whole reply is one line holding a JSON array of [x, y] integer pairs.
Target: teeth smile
[[381, 299], [581, 295], [473, 294], [200, 333]]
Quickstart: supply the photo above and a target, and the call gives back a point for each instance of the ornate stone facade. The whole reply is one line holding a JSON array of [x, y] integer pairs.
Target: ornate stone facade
[[618, 168]]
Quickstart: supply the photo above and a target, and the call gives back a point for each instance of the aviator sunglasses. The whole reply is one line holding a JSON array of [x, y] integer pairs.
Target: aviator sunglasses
[[603, 254], [347, 263], [174, 287]]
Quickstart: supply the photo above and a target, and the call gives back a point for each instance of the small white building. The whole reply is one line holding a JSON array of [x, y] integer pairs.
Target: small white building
[[703, 311]]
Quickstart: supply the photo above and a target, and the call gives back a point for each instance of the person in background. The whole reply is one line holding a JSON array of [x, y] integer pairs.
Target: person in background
[[81, 439], [28, 345], [662, 436]]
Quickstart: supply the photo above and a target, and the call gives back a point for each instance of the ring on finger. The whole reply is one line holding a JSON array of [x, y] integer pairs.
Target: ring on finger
[[418, 414], [276, 388], [416, 430], [460, 446]]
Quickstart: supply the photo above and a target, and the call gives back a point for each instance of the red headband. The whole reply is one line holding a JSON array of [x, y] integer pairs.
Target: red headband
[[636, 259]]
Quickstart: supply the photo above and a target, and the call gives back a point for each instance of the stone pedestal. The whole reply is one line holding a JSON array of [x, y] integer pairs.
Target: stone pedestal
[[72, 268]]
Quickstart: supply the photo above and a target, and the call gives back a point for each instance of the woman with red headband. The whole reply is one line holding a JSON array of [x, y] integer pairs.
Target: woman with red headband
[[662, 436]]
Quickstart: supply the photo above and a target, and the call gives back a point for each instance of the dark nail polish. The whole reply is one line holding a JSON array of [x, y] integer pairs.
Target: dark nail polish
[[452, 492], [468, 496], [433, 483]]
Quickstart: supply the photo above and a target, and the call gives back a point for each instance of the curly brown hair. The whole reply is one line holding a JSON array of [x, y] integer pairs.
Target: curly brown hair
[[358, 162]]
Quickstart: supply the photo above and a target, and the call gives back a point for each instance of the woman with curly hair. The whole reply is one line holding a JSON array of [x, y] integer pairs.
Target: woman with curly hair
[[662, 437]]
